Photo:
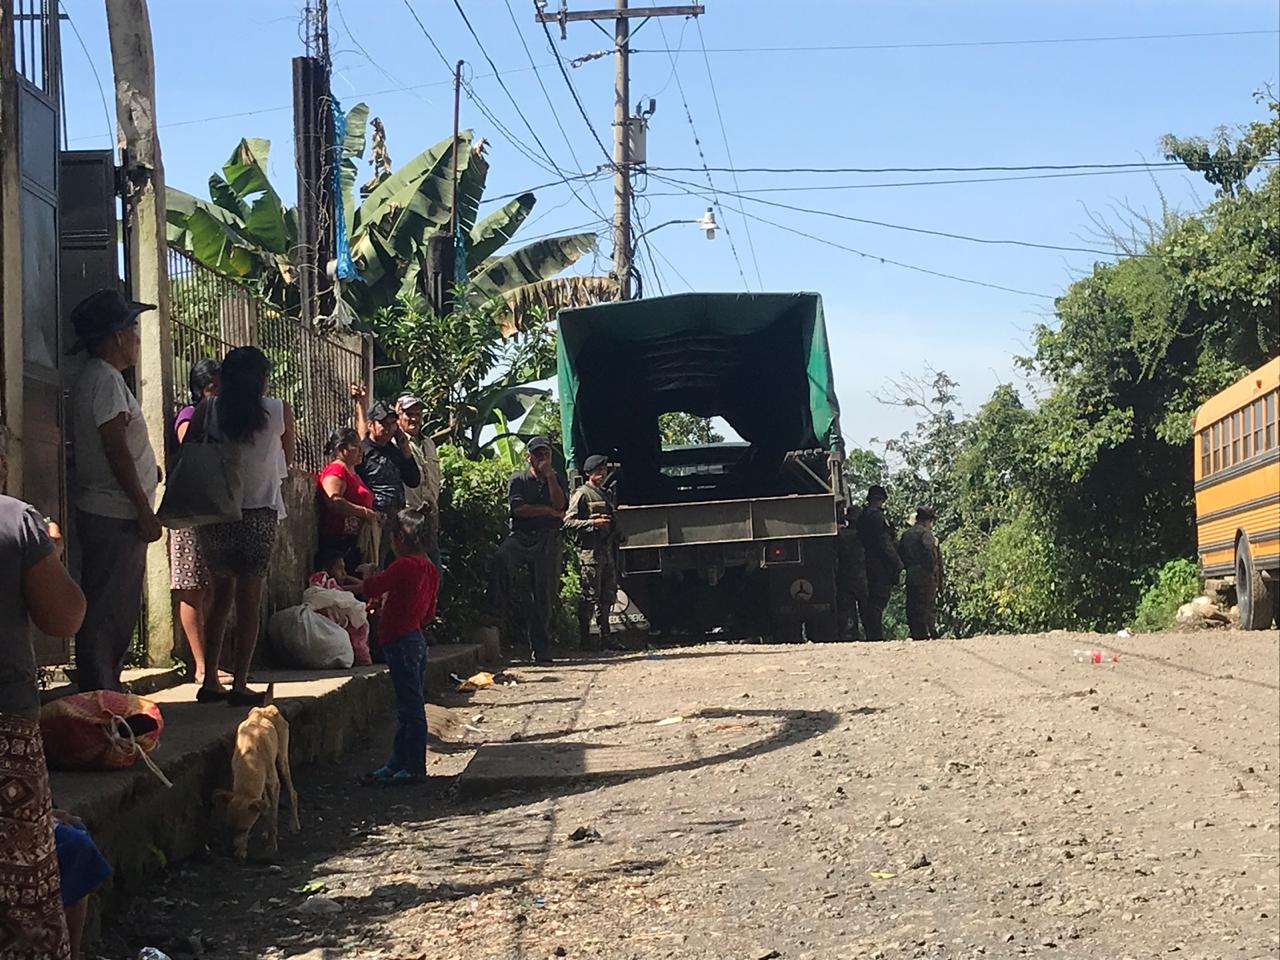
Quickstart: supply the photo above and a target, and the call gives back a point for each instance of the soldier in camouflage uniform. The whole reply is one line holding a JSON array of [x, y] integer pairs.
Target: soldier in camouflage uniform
[[883, 564], [923, 560], [851, 575], [589, 522]]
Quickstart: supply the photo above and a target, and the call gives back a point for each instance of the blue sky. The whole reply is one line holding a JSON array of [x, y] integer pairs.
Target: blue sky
[[1015, 104]]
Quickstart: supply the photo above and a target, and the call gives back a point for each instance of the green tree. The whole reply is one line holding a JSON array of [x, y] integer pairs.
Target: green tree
[[684, 429]]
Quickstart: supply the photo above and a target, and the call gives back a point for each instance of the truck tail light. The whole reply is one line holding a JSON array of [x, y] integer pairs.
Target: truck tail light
[[781, 551]]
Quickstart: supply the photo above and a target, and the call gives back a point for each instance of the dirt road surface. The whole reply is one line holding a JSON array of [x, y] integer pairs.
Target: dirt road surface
[[978, 798]]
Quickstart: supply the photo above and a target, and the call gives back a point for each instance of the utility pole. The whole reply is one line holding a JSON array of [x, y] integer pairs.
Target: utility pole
[[622, 152], [133, 61], [623, 161]]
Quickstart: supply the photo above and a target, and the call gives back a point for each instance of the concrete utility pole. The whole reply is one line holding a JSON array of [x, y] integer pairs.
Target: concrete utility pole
[[622, 121], [133, 62]]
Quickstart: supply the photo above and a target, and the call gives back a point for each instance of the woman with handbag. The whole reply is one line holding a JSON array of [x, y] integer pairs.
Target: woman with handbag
[[347, 502], [188, 574], [238, 552]]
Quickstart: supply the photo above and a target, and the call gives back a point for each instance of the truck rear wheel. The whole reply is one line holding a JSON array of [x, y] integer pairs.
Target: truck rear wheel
[[1252, 592]]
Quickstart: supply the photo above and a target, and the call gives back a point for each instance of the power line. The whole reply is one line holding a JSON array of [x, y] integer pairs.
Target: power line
[[555, 114], [932, 183], [586, 118], [1009, 168], [715, 199], [872, 256], [715, 99], [975, 43], [106, 113], [898, 226], [520, 113], [896, 263]]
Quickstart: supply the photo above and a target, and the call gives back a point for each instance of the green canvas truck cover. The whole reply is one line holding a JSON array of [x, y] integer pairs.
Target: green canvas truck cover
[[760, 361]]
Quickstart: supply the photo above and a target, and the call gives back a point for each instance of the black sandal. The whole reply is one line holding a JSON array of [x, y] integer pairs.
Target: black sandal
[[247, 699], [212, 695]]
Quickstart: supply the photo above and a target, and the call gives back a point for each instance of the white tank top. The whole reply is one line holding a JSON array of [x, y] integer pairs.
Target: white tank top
[[262, 463]]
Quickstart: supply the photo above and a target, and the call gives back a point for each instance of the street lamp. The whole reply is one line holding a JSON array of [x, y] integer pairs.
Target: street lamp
[[706, 222]]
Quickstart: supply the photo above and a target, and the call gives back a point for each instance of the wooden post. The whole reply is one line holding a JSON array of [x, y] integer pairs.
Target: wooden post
[[133, 63]]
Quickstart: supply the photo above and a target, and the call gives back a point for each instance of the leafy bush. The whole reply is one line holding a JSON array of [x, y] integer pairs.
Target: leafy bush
[[473, 521], [1176, 583]]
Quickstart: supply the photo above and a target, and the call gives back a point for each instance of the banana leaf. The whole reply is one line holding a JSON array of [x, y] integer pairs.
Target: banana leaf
[[530, 264], [398, 189], [352, 150], [246, 168], [496, 229], [225, 198], [219, 244], [472, 177]]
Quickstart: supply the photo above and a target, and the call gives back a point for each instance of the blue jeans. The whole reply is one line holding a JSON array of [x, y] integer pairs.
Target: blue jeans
[[406, 658]]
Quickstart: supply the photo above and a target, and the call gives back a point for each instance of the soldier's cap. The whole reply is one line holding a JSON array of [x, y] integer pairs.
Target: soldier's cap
[[538, 443], [594, 462], [408, 401], [380, 411], [101, 314], [877, 492]]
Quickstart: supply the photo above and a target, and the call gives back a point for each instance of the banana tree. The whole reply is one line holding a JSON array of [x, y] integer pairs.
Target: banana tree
[[246, 231]]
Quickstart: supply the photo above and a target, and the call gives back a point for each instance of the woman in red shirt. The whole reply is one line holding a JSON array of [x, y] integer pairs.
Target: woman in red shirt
[[346, 502]]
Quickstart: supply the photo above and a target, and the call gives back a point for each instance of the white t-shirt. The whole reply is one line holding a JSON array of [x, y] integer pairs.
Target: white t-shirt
[[262, 463], [99, 396]]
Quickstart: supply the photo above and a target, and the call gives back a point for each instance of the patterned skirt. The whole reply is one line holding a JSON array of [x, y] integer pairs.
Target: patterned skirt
[[32, 924], [187, 569], [242, 548]]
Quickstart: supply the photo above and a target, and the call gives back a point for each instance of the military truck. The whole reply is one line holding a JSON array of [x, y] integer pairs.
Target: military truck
[[735, 540]]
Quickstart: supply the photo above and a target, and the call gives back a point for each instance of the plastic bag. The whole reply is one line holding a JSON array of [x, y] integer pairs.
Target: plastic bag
[[99, 730], [303, 638]]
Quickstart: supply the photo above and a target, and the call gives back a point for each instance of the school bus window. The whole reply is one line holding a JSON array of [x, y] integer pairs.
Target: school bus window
[[1235, 437], [1271, 421], [1246, 435], [1257, 427], [1217, 449], [1204, 453]]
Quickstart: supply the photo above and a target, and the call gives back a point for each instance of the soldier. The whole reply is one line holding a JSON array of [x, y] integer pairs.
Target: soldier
[[536, 503], [851, 583], [883, 563], [919, 550], [589, 522]]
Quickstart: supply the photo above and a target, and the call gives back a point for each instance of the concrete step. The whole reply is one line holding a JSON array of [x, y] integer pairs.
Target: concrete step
[[142, 826]]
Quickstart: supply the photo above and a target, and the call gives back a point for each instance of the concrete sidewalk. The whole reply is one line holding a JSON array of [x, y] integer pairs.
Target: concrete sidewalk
[[142, 826]]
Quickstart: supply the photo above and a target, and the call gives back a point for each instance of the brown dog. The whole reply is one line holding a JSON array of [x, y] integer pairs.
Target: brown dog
[[258, 764]]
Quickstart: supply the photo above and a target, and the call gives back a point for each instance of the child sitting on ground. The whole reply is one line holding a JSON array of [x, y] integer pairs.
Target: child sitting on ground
[[331, 574], [409, 587]]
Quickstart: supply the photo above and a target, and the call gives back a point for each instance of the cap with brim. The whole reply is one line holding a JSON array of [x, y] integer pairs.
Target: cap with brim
[[380, 411], [408, 401], [594, 463], [538, 443], [102, 314]]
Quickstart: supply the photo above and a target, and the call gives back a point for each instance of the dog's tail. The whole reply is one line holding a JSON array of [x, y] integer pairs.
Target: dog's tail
[[270, 697]]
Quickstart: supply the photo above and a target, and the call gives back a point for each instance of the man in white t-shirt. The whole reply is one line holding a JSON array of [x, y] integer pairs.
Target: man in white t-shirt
[[115, 485]]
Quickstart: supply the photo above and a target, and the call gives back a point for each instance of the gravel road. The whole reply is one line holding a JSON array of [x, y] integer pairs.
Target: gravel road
[[978, 798]]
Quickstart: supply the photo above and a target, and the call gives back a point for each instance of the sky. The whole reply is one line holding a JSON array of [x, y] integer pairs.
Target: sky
[[915, 85]]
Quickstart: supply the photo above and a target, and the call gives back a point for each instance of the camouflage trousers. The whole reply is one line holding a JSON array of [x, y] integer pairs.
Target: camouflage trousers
[[922, 608], [598, 587]]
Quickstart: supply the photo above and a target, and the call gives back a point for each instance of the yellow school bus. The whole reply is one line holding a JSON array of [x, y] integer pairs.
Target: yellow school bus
[[1237, 470]]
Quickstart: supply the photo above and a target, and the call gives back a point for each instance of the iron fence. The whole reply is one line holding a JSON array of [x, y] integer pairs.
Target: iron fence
[[312, 370]]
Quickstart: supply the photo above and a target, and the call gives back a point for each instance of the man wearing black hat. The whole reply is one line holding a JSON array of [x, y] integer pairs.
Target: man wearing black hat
[[589, 522], [884, 566], [115, 485], [536, 499], [388, 465]]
